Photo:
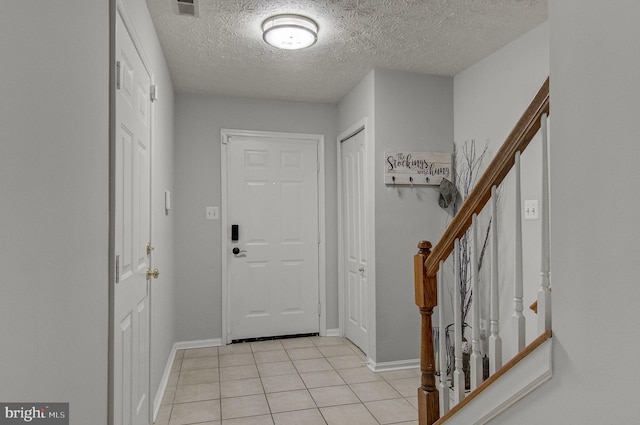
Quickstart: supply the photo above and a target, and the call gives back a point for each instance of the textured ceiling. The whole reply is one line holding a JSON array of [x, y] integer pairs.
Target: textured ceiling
[[221, 52]]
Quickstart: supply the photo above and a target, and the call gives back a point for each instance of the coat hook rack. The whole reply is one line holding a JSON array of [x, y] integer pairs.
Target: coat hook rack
[[416, 168]]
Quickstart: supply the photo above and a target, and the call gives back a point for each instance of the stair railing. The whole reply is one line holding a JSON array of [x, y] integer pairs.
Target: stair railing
[[434, 400]]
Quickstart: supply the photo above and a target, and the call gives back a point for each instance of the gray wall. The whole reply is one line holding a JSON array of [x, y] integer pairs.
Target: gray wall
[[199, 120], [412, 112], [54, 174], [405, 111], [595, 87], [357, 105], [54, 159], [489, 98]]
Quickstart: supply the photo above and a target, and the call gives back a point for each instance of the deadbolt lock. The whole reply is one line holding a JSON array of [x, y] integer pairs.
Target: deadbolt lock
[[155, 273], [149, 248]]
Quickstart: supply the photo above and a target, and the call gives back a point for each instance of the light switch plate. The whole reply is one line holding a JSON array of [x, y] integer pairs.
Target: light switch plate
[[531, 210], [212, 213], [167, 200]]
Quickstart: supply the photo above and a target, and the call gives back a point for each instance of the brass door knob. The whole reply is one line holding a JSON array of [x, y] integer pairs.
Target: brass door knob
[[155, 273]]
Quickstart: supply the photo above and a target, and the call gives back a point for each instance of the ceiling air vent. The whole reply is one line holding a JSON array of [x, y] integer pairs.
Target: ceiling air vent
[[186, 7]]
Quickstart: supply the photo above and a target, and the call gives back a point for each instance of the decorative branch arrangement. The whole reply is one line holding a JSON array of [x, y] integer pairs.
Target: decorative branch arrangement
[[466, 169], [466, 164]]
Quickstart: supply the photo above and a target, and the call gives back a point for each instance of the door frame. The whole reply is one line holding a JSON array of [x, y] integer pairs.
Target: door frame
[[225, 135], [117, 7], [369, 202]]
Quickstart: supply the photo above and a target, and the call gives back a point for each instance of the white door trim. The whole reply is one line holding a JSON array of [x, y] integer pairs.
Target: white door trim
[[369, 201], [226, 230]]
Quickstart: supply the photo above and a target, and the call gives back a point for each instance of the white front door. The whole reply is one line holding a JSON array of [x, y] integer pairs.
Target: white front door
[[272, 185], [354, 239], [132, 233]]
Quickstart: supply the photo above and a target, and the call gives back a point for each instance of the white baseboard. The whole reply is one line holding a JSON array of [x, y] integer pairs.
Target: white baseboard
[[183, 345], [202, 343], [333, 332], [395, 365], [157, 401]]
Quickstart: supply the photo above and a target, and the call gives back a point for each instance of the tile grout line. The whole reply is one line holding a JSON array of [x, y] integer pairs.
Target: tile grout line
[[298, 374]]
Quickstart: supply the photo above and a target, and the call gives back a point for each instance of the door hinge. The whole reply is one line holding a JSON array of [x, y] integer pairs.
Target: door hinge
[[318, 238], [118, 71], [117, 269], [153, 92], [319, 309]]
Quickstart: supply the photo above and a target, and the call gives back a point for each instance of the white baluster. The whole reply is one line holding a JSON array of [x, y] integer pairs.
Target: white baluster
[[495, 342], [476, 356], [458, 374], [442, 347], [518, 317], [544, 294]]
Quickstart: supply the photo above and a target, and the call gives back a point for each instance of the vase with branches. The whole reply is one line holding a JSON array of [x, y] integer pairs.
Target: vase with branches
[[466, 168]]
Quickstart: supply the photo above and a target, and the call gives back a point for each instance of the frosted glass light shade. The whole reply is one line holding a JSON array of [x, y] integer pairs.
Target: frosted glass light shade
[[290, 32]]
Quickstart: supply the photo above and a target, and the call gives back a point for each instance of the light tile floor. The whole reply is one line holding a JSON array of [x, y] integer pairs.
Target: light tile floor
[[299, 381]]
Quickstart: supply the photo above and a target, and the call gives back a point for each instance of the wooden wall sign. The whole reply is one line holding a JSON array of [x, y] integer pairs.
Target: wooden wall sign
[[416, 168]]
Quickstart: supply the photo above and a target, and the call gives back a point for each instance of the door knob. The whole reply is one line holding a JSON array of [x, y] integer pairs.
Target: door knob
[[237, 251], [361, 269], [155, 273]]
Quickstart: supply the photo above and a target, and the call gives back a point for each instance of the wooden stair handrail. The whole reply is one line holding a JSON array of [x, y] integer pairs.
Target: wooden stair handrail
[[517, 141]]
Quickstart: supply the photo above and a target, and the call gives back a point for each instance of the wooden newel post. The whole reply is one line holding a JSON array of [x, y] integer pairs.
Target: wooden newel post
[[426, 300]]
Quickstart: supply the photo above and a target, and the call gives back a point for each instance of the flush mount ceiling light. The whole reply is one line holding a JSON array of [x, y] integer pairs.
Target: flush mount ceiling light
[[290, 32]]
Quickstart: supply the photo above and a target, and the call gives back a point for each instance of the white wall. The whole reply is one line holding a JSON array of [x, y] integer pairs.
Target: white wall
[[412, 112], [489, 98], [54, 171], [163, 290], [199, 120], [595, 87]]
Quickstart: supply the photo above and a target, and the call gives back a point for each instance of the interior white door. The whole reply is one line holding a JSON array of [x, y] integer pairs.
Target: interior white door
[[273, 199], [354, 239], [132, 233]]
